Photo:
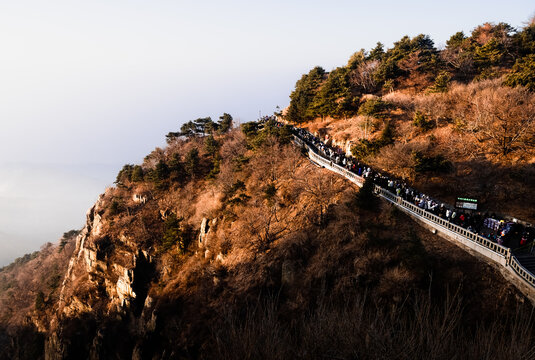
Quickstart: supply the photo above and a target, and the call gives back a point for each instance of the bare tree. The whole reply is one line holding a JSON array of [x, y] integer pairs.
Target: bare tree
[[267, 218], [505, 117], [320, 190], [363, 75], [433, 106], [411, 62], [265, 224], [398, 159], [458, 60]]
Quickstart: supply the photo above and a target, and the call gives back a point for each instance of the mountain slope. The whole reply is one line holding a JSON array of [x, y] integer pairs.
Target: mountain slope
[[267, 259], [441, 119]]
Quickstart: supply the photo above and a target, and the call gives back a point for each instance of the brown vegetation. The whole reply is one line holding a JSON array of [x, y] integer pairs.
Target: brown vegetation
[[484, 129], [289, 267], [33, 282]]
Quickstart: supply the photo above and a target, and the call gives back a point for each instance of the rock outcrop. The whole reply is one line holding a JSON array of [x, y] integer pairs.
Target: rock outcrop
[[113, 273], [205, 231]]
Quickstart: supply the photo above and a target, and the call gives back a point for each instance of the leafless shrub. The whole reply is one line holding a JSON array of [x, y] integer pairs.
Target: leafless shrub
[[505, 118], [456, 59], [398, 159], [233, 146], [363, 76], [400, 99], [42, 271], [362, 329]]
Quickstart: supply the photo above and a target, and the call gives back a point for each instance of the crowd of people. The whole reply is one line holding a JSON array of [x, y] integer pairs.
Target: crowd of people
[[491, 226]]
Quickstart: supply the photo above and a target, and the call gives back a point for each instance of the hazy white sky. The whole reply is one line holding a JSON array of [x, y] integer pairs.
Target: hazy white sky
[[86, 86]]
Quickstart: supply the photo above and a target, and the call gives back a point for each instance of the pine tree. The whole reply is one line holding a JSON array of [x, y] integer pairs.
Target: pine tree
[[191, 163], [523, 73], [137, 174], [225, 123], [211, 145], [377, 52], [442, 82], [176, 168]]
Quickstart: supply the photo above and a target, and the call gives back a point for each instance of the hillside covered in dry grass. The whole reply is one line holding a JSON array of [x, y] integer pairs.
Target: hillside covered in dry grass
[[232, 245], [457, 121]]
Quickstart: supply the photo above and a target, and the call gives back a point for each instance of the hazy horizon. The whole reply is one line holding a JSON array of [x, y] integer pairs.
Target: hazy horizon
[[89, 86]]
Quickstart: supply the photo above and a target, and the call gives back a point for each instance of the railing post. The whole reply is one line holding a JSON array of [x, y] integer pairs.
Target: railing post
[[508, 257]]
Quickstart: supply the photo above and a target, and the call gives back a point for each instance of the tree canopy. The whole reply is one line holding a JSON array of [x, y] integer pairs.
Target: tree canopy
[[203, 127], [303, 95], [523, 73], [489, 51]]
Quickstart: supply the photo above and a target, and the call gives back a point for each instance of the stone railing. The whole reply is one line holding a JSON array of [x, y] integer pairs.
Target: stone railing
[[484, 246], [521, 271], [491, 250], [318, 159]]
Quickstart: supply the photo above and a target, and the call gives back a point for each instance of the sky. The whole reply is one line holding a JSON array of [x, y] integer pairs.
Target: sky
[[87, 86]]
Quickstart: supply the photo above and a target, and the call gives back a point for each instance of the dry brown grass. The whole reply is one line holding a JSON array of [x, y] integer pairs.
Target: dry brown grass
[[460, 136], [361, 329], [400, 99], [284, 275]]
